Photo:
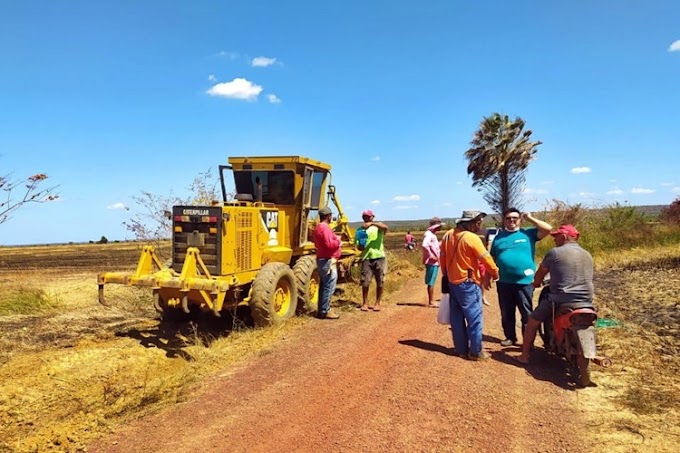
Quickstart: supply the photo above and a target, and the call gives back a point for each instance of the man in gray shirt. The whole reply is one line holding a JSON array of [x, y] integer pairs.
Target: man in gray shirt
[[571, 281]]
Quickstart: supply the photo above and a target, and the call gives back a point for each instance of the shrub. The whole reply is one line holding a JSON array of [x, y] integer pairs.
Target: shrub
[[25, 302], [671, 214]]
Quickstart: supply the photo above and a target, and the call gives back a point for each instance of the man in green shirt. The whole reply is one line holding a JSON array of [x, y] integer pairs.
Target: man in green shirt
[[370, 237]]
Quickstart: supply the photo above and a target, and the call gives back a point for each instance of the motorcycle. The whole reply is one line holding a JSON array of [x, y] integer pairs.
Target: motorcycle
[[570, 333], [410, 246]]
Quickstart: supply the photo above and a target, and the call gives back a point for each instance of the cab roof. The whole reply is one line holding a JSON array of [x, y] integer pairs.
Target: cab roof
[[273, 160]]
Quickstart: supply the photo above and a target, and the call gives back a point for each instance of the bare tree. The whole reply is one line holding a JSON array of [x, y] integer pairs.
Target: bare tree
[[151, 223], [498, 158], [30, 191]]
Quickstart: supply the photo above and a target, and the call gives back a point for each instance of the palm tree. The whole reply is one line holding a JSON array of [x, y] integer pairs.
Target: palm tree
[[500, 154]]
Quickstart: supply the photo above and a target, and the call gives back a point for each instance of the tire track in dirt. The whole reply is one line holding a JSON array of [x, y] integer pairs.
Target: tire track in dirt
[[378, 382]]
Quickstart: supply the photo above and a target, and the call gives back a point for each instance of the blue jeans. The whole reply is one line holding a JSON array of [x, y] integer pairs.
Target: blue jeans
[[328, 276], [513, 297], [466, 317]]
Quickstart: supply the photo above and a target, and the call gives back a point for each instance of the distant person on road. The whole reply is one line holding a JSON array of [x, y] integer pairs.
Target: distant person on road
[[513, 249], [431, 250], [461, 253], [327, 245], [370, 238], [571, 281], [409, 241]]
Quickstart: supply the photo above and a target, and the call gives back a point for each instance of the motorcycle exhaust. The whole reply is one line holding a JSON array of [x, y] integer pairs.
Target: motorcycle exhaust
[[604, 362]]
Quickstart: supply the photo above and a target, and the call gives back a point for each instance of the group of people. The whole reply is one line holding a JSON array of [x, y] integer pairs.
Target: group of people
[[510, 263], [373, 260], [469, 267]]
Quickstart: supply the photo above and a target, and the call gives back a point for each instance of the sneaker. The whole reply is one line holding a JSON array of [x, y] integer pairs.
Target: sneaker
[[508, 342], [481, 356]]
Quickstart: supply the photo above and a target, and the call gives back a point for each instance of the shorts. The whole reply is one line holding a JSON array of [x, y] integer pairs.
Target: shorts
[[373, 267], [431, 271], [543, 311]]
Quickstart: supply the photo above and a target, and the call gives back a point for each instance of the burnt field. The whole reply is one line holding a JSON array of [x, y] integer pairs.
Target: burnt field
[[103, 257], [73, 257]]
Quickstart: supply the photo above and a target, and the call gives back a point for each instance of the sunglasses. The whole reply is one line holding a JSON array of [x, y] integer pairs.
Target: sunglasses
[[512, 218]]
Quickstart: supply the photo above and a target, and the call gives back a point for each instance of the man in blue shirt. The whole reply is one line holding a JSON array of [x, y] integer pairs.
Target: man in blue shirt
[[513, 250]]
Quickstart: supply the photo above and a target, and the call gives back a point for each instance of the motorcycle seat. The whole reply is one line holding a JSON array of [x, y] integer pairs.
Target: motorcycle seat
[[562, 309]]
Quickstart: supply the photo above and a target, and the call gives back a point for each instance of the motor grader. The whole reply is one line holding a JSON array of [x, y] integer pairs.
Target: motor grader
[[254, 249]]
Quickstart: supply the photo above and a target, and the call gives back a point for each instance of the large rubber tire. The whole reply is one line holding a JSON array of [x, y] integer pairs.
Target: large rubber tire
[[583, 368], [308, 279], [274, 295]]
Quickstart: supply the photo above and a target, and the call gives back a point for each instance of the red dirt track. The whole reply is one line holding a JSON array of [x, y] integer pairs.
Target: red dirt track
[[371, 382]]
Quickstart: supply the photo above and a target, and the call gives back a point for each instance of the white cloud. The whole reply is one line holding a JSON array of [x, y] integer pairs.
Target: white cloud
[[459, 183], [675, 190], [675, 46], [118, 207], [642, 190], [236, 89], [579, 170], [375, 202], [403, 207], [272, 98], [228, 55], [529, 190], [667, 184], [615, 191], [375, 158], [447, 204], [262, 62], [586, 194], [212, 78], [406, 198]]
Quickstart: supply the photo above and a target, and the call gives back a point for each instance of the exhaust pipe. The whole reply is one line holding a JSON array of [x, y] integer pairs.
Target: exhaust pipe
[[604, 362]]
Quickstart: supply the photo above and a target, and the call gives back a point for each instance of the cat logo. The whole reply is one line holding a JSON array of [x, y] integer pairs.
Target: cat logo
[[271, 220]]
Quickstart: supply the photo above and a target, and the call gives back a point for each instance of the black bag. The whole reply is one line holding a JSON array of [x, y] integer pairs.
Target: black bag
[[445, 284]]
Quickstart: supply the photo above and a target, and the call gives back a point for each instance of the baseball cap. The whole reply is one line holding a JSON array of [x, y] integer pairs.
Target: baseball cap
[[325, 211], [368, 213], [568, 230]]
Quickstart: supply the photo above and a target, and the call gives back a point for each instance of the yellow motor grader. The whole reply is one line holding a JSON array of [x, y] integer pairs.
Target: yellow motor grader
[[255, 249]]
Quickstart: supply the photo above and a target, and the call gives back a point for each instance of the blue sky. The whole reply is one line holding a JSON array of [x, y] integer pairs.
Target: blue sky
[[110, 98]]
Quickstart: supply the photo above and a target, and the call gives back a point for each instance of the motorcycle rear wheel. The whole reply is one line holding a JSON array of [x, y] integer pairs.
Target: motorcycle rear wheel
[[583, 365]]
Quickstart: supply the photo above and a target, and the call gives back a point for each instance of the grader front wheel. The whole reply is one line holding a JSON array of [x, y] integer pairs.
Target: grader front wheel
[[307, 277], [274, 296]]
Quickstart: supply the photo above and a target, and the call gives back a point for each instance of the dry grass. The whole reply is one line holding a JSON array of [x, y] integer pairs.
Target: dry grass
[[635, 407], [71, 369]]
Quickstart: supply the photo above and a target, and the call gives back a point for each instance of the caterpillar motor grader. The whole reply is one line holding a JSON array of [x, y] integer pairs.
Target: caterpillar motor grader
[[255, 249]]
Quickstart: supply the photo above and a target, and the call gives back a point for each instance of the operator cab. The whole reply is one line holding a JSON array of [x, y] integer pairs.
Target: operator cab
[[268, 186]]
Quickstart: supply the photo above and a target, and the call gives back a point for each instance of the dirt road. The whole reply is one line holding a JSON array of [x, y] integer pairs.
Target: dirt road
[[371, 382]]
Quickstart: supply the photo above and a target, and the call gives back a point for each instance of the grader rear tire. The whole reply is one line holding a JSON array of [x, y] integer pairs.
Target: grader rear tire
[[307, 277], [274, 296]]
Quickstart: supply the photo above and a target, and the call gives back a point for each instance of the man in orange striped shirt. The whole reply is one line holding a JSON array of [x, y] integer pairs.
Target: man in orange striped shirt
[[461, 252]]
